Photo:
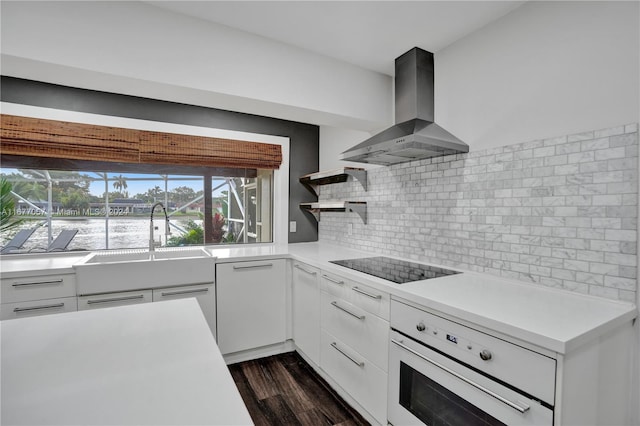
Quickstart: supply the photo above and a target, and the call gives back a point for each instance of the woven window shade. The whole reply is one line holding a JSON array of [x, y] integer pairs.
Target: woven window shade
[[166, 148], [35, 137]]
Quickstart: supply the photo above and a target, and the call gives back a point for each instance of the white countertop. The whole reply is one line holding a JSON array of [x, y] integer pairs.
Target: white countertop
[[147, 364], [553, 319], [14, 265], [251, 252]]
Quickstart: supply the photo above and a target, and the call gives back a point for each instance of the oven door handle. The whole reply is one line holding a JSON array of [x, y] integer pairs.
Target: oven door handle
[[521, 408]]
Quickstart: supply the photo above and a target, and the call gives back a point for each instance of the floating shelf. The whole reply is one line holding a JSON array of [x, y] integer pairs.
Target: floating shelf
[[312, 180], [358, 207]]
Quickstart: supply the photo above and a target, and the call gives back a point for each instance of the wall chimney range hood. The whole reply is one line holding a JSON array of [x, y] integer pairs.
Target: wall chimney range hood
[[415, 136]]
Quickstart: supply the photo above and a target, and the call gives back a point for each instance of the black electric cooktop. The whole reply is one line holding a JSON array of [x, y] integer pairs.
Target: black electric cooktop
[[398, 271]]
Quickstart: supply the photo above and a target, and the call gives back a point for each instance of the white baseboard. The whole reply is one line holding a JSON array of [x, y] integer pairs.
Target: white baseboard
[[261, 352]]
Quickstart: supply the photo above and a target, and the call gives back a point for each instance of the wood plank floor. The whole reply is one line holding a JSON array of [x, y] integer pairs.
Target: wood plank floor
[[284, 390]]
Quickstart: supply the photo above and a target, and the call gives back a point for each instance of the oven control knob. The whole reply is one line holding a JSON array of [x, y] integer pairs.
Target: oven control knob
[[421, 327], [485, 355]]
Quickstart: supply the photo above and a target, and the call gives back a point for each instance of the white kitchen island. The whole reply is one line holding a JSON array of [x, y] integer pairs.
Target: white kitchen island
[[148, 364]]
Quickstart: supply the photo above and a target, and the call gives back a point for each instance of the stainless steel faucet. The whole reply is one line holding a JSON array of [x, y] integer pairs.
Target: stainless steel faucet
[[167, 231]]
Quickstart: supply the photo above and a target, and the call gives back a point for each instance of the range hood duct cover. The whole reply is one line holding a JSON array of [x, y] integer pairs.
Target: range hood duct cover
[[415, 136]]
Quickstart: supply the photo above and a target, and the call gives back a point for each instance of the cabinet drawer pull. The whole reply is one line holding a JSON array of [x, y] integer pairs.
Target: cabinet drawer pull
[[333, 280], [115, 299], [35, 308], [18, 284], [263, 265], [305, 270], [175, 293], [373, 296], [352, 359], [360, 317]]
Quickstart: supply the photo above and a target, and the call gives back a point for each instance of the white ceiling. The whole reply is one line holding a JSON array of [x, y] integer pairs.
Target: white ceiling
[[370, 34]]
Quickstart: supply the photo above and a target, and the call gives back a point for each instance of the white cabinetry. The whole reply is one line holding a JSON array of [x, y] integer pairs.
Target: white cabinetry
[[360, 378], [306, 310], [205, 294], [38, 307], [37, 295], [38, 287], [369, 299], [593, 381], [251, 304], [354, 343], [96, 301], [363, 331]]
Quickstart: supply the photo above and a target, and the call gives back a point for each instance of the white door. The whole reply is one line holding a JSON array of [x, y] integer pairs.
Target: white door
[[306, 310], [251, 304], [205, 294]]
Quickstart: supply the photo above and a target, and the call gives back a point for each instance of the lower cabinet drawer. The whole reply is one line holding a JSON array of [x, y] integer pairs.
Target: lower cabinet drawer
[[38, 287], [361, 330], [358, 376], [205, 294], [37, 307], [107, 300], [370, 299], [334, 285]]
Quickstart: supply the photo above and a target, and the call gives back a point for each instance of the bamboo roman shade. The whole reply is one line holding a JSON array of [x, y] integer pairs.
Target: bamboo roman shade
[[36, 137]]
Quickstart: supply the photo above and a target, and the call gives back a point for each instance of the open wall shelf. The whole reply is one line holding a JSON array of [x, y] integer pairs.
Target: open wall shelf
[[312, 180], [358, 207]]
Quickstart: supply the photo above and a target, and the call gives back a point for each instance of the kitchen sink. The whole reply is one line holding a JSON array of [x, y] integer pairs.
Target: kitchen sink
[[124, 270], [140, 255]]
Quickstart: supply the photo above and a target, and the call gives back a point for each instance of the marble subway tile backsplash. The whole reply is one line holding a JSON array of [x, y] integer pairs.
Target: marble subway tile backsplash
[[559, 212]]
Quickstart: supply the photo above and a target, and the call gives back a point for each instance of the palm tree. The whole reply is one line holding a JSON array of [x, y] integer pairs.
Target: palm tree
[[7, 206], [32, 191], [154, 193], [28, 185], [120, 184]]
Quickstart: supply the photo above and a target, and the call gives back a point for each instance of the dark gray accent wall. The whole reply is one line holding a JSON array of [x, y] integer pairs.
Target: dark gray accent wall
[[304, 138]]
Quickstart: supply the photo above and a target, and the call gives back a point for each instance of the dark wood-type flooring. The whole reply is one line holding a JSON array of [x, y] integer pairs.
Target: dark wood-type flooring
[[284, 390]]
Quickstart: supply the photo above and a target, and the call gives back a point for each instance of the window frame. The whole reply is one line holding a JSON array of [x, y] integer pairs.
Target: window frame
[[280, 183]]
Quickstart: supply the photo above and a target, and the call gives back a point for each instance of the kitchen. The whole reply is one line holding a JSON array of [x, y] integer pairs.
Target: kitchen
[[511, 91]]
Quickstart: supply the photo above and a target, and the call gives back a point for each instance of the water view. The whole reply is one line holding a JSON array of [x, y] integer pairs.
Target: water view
[[124, 232], [81, 201]]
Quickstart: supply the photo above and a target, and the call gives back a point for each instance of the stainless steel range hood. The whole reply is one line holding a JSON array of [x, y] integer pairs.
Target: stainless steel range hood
[[415, 136]]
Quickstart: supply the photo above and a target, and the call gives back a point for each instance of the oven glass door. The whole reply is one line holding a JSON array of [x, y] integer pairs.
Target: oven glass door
[[425, 387], [435, 405]]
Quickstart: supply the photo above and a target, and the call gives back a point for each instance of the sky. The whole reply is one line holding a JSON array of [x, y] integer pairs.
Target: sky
[[140, 183]]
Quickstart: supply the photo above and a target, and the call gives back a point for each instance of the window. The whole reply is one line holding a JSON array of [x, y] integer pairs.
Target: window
[[111, 209], [242, 180]]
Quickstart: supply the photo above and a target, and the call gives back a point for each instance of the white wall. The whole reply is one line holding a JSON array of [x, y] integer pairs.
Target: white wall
[[139, 49], [545, 69], [334, 141]]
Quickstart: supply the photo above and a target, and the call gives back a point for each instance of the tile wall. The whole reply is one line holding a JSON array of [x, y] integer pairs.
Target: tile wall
[[559, 212]]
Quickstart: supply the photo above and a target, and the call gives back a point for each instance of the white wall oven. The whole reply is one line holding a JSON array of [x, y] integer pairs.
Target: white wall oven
[[445, 373]]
